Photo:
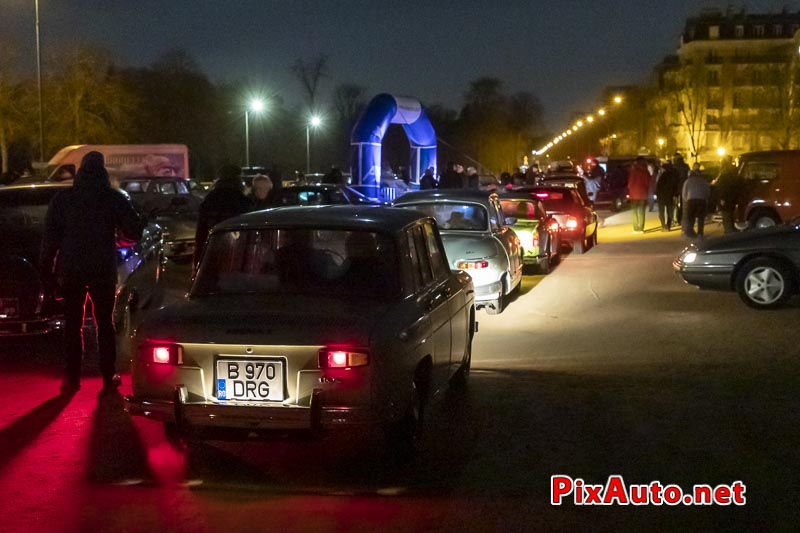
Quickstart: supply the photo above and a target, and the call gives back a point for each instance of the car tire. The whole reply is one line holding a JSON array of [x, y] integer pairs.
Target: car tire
[[579, 246], [404, 437], [544, 265], [765, 283], [762, 219], [461, 377], [594, 238]]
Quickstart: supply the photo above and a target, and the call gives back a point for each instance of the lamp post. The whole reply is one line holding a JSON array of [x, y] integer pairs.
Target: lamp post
[[313, 122], [256, 105], [661, 143], [39, 84]]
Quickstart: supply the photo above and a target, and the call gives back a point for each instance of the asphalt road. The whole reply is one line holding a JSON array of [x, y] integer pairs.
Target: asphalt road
[[609, 365]]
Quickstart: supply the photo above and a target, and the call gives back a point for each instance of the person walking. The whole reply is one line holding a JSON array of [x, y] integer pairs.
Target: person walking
[[695, 195], [638, 188], [427, 181], [450, 179], [682, 170], [666, 186], [728, 188], [226, 200], [79, 253]]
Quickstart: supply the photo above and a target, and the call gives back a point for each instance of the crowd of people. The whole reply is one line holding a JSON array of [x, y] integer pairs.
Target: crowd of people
[[685, 196]]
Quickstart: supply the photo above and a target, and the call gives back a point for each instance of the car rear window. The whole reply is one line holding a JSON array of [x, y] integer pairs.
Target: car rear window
[[557, 200], [519, 209], [451, 216], [351, 264]]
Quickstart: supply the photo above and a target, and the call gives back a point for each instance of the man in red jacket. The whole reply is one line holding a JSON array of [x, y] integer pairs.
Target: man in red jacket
[[639, 179]]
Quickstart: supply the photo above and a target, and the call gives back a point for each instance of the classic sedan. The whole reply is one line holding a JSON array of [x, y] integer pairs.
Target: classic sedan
[[477, 239], [539, 233], [173, 205], [320, 195], [577, 219], [30, 307], [763, 265], [309, 318]]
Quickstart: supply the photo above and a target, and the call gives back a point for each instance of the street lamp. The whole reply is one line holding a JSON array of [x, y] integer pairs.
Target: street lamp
[[617, 99], [39, 84], [256, 105], [601, 112], [314, 122], [721, 151]]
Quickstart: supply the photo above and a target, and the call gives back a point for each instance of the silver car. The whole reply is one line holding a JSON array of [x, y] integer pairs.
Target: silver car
[[477, 240], [309, 318]]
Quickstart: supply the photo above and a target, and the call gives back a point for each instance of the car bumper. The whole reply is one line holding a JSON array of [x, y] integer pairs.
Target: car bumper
[[24, 328], [267, 417], [488, 292], [704, 277]]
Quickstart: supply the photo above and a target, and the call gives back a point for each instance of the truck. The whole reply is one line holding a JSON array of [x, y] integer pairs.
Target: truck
[[123, 160]]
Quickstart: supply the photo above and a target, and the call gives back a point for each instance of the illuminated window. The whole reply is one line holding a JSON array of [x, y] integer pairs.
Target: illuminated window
[[758, 30], [713, 32], [739, 31], [777, 30]]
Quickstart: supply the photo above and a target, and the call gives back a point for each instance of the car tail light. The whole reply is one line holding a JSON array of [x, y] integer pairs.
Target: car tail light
[[572, 223], [165, 354], [542, 195], [472, 265], [338, 358], [554, 226]]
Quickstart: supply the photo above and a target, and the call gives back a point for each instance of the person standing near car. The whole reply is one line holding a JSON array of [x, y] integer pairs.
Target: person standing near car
[[427, 181], [682, 170], [260, 192], [728, 188], [79, 252], [638, 188], [226, 200], [695, 196], [666, 186]]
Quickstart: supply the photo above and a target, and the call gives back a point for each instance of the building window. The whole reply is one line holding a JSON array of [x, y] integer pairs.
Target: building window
[[713, 77], [739, 100], [758, 77], [713, 32], [758, 30], [739, 31], [777, 30]]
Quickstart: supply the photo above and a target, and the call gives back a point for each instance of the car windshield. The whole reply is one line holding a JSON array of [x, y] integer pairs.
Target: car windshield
[[561, 200], [339, 263], [520, 209], [451, 216]]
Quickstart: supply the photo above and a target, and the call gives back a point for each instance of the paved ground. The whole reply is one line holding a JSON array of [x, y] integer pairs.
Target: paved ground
[[610, 365]]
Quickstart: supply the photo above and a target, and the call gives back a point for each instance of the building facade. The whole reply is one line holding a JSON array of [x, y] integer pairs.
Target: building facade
[[732, 86]]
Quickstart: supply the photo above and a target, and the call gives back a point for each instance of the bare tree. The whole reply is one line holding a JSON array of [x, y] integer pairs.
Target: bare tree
[[785, 96], [688, 90], [310, 74], [348, 101]]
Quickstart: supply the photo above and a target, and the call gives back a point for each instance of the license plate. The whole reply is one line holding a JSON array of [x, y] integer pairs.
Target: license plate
[[9, 307], [250, 379]]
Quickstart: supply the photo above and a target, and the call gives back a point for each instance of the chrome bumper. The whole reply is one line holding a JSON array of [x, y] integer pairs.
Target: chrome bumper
[[272, 416], [491, 291]]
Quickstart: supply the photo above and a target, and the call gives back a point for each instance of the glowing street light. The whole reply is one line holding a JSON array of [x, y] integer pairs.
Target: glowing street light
[[256, 105], [579, 123], [721, 151], [314, 122], [590, 119], [661, 142], [601, 112], [617, 99]]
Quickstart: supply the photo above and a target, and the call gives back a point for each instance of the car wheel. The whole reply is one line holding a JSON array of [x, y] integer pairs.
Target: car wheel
[[461, 377], [761, 219], [578, 246], [765, 283], [544, 266], [404, 436]]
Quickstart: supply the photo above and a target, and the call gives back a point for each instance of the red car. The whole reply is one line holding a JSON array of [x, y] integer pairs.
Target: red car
[[577, 219]]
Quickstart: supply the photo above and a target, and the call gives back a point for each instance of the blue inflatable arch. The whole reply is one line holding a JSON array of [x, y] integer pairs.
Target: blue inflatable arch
[[367, 137]]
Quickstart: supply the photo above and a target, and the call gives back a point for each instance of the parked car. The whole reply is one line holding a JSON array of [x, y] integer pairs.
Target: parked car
[[476, 238], [772, 188], [539, 233], [577, 219], [309, 319], [30, 307], [172, 204], [320, 195], [577, 182], [762, 265]]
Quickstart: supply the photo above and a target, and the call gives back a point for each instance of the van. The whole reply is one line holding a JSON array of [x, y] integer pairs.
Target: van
[[771, 193], [124, 160]]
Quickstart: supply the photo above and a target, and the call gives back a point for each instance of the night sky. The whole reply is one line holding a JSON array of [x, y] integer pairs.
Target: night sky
[[566, 51]]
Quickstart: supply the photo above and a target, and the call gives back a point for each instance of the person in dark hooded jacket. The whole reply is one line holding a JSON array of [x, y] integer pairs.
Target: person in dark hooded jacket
[[226, 200], [79, 250]]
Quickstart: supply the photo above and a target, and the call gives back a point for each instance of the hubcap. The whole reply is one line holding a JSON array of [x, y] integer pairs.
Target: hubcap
[[764, 222], [764, 285]]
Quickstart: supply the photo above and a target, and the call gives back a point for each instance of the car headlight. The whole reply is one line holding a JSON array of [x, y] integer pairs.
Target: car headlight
[[690, 257]]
